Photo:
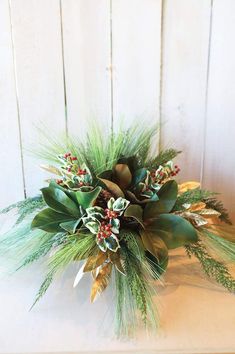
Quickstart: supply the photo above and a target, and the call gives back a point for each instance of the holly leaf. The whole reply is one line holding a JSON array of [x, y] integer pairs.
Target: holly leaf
[[92, 224], [120, 205], [87, 199], [174, 230], [49, 220], [96, 212], [112, 243]]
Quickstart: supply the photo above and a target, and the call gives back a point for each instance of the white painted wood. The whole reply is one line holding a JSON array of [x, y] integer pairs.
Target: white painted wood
[[11, 180], [86, 34], [37, 45], [185, 50], [219, 163], [136, 37]]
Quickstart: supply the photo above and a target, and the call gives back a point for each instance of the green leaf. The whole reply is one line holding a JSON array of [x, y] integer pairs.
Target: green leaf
[[174, 230], [68, 192], [112, 243], [57, 200], [91, 224], [70, 226], [139, 176], [135, 211], [86, 199], [112, 187], [96, 212], [122, 175], [49, 220], [167, 198], [120, 205], [115, 225]]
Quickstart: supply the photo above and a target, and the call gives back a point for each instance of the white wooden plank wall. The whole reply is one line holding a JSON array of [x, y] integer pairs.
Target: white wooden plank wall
[[63, 62]]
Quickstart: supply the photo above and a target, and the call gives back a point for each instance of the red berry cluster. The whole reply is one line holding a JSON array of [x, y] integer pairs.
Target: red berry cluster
[[69, 156], [59, 181], [175, 171], [110, 214], [81, 172], [104, 231]]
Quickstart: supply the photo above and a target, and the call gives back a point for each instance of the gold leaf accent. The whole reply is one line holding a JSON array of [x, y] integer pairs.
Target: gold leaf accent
[[194, 218], [101, 281], [197, 206], [52, 169], [95, 261], [116, 260], [186, 186], [209, 212]]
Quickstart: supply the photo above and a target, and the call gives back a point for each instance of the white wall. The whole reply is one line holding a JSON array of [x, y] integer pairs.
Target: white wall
[[168, 61]]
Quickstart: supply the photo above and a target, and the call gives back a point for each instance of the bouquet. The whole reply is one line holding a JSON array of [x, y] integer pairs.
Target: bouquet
[[117, 210]]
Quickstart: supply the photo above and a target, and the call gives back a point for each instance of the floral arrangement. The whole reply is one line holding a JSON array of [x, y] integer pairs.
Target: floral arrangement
[[117, 211]]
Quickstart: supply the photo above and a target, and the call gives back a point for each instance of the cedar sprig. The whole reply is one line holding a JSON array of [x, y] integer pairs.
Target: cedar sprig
[[162, 157], [213, 268]]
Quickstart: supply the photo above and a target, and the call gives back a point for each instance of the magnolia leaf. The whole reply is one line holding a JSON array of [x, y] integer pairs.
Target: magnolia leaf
[[135, 211], [139, 176], [115, 258], [186, 186], [112, 243], [59, 201], [70, 226], [174, 230], [101, 281], [95, 261], [122, 175], [167, 198], [52, 169], [155, 245], [120, 205], [87, 199], [91, 224], [49, 220], [79, 275], [112, 187]]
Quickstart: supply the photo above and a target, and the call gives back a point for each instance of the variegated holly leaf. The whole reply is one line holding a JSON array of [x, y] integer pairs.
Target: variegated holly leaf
[[102, 244], [115, 225], [92, 224], [112, 243], [120, 205], [96, 212]]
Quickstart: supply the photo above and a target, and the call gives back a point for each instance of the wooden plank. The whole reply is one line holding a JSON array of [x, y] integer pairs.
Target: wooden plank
[[86, 40], [38, 52], [11, 186], [219, 163], [136, 34], [186, 25]]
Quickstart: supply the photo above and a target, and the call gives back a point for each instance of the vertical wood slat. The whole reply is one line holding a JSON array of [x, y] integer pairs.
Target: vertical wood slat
[[219, 171], [11, 183], [136, 39], [86, 34], [38, 53], [184, 77]]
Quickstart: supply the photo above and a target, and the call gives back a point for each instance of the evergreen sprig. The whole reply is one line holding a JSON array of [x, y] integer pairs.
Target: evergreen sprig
[[162, 157], [213, 268], [217, 205], [192, 196]]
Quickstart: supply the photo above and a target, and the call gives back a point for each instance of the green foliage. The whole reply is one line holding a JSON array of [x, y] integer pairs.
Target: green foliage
[[86, 199], [25, 207], [212, 267], [78, 247], [163, 157], [217, 205], [167, 197], [133, 291], [190, 197], [174, 230]]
